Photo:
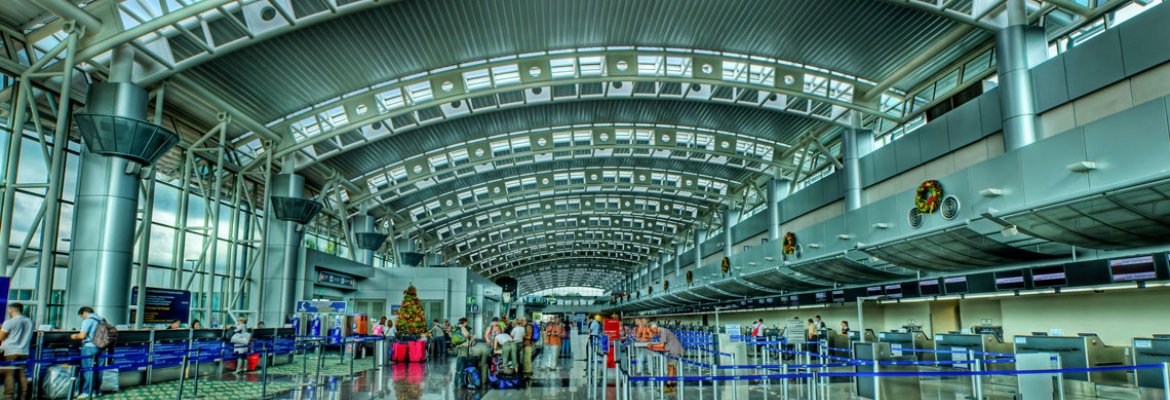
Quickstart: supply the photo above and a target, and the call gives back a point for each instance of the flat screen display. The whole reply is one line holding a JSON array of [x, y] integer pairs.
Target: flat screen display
[[1133, 269], [955, 284], [822, 297], [873, 291], [794, 300], [929, 288], [1009, 280], [894, 291], [1043, 277], [838, 296]]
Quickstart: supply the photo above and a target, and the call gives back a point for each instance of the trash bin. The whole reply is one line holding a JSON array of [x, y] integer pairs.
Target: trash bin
[[380, 352]]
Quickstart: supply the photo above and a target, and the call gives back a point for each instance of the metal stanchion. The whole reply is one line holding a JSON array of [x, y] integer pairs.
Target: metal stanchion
[[977, 366], [320, 361], [196, 386], [1166, 380], [264, 372], [182, 374], [784, 382]]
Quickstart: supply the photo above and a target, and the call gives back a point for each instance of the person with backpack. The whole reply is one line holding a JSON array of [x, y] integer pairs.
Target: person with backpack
[[95, 335], [438, 339]]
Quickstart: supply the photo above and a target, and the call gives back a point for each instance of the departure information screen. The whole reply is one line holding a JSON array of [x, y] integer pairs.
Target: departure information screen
[[1009, 280], [822, 297], [1053, 276], [956, 284], [894, 291], [929, 288], [1132, 269], [838, 296], [873, 291]]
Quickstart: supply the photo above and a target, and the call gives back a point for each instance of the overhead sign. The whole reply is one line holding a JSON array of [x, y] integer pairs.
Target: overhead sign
[[164, 305], [334, 279], [321, 306]]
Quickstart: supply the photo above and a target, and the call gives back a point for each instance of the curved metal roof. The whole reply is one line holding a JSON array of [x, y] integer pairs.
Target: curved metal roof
[[865, 38], [752, 121]]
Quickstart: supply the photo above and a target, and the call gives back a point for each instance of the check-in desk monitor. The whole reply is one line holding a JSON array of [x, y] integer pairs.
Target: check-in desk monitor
[[904, 344], [1085, 350], [954, 346], [1151, 350]]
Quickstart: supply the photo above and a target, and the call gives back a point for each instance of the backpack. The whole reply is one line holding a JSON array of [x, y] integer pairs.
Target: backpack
[[457, 337], [535, 332], [105, 335], [471, 375]]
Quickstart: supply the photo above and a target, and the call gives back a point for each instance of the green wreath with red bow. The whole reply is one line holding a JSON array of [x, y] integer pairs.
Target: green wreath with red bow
[[665, 285], [928, 197], [690, 278], [725, 266], [789, 244]]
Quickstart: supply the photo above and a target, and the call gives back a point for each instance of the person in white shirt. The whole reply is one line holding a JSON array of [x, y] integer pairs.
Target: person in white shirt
[[509, 345], [15, 335]]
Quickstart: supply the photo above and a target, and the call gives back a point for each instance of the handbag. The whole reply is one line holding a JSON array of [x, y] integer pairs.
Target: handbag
[[241, 338]]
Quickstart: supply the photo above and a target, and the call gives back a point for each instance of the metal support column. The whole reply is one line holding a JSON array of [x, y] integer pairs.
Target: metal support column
[[700, 234], [856, 142], [1018, 48], [730, 218], [777, 192]]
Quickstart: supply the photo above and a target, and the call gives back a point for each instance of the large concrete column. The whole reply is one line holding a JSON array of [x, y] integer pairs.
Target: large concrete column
[[1018, 48], [777, 191], [699, 236], [730, 218], [282, 246], [118, 142], [856, 142], [366, 238], [678, 252]]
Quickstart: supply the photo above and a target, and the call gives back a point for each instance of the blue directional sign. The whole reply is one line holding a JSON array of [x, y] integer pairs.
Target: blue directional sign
[[321, 306]]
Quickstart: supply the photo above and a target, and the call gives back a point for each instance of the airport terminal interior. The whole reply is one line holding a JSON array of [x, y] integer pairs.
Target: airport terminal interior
[[585, 199]]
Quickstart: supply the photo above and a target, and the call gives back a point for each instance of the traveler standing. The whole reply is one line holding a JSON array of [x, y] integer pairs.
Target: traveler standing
[[240, 340], [438, 339], [517, 335], [89, 351], [492, 330], [552, 343], [15, 335], [643, 335]]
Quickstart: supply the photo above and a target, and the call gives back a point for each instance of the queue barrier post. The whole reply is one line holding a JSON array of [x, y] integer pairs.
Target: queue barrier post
[[1166, 380], [264, 371]]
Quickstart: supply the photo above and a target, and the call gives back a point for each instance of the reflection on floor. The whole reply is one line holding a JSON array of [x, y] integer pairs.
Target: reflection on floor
[[436, 380]]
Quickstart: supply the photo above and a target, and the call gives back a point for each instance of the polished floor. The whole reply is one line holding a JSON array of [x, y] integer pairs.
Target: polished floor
[[436, 380]]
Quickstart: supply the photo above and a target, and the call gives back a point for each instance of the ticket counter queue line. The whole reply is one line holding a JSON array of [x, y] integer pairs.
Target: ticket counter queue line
[[813, 377], [193, 358]]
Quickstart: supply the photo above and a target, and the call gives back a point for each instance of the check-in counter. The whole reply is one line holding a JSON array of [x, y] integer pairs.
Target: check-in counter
[[894, 387], [905, 343], [167, 353], [1085, 350], [956, 347], [1151, 350], [855, 336], [131, 354], [52, 345], [281, 342]]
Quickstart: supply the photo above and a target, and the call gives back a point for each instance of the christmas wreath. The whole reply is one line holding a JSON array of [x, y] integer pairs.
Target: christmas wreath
[[928, 196], [726, 265], [789, 244], [690, 278]]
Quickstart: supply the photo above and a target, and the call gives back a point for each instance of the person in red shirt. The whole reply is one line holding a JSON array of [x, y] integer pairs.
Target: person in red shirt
[[552, 343], [643, 335]]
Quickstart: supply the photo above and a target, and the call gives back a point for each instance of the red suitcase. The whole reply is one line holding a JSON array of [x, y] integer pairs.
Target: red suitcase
[[399, 351], [418, 351]]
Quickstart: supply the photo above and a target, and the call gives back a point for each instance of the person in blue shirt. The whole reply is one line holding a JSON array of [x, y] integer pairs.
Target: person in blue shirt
[[89, 351]]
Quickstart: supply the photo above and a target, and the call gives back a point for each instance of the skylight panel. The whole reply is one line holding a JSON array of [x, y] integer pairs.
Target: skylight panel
[[678, 66], [591, 66], [563, 67], [477, 79], [650, 65], [735, 71], [419, 92], [391, 99], [762, 75], [506, 75]]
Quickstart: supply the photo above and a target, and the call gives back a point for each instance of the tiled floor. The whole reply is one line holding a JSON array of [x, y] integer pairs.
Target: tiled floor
[[436, 380]]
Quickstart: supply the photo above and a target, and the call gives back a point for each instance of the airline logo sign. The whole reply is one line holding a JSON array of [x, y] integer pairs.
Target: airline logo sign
[[321, 306]]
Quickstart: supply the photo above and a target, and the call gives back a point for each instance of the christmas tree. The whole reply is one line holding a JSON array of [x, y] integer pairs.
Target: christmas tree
[[411, 321]]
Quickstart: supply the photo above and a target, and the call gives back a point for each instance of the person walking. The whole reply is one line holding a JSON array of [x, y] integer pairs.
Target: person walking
[[552, 343], [89, 351], [15, 335]]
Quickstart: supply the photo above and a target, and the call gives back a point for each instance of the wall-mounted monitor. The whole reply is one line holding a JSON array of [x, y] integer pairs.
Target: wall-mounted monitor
[[838, 296], [929, 287], [1045, 277], [873, 291], [822, 297], [1133, 269], [894, 291], [1010, 280], [955, 284], [794, 300]]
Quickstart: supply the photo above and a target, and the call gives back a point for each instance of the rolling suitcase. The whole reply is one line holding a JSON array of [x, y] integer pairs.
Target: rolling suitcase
[[418, 351], [399, 351]]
